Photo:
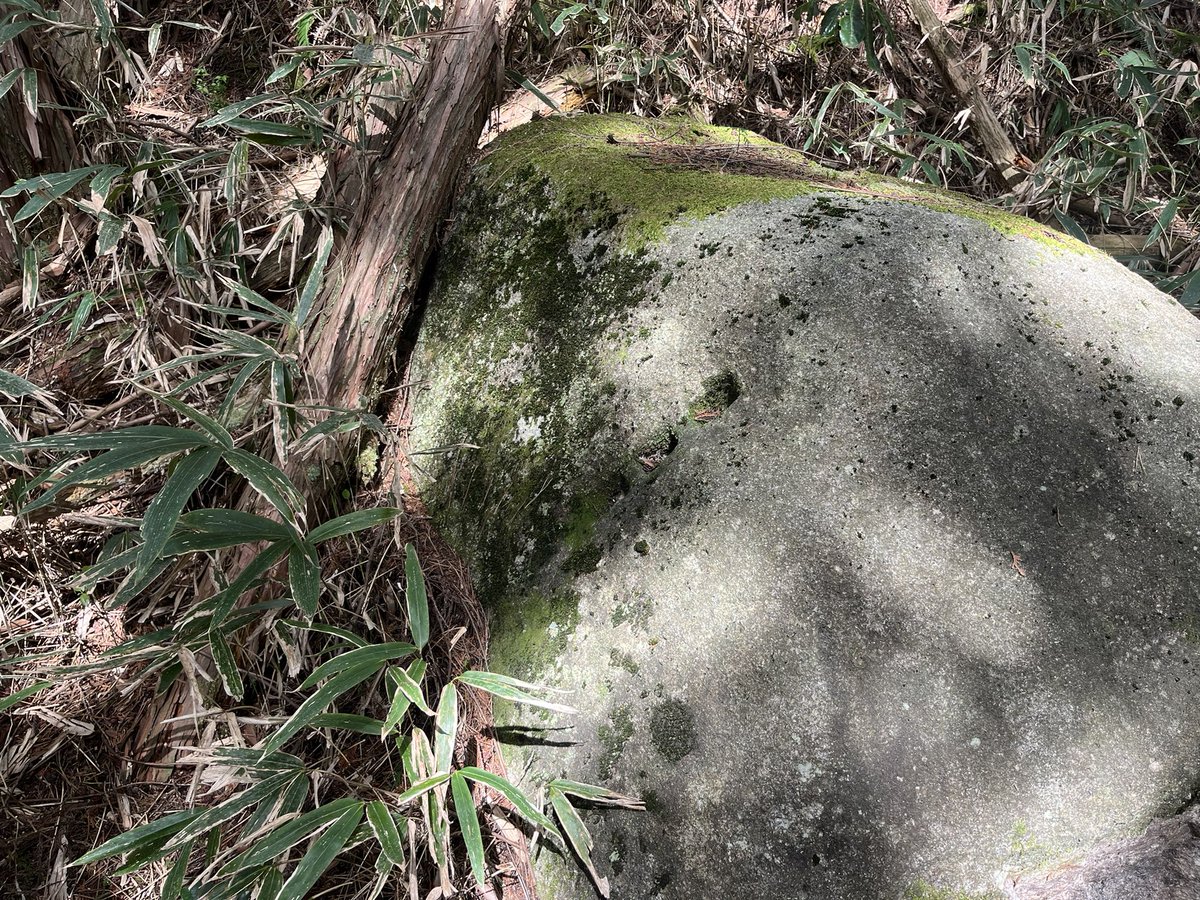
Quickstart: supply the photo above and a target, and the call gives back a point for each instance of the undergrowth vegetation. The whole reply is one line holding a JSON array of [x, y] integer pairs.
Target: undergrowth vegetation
[[1101, 98], [175, 184]]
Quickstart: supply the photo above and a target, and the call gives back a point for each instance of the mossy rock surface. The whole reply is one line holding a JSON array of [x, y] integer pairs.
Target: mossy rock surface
[[861, 521]]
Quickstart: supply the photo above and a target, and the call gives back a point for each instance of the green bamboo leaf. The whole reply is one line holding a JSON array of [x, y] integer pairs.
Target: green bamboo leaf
[[213, 430], [223, 602], [321, 853], [386, 831], [351, 522], [289, 834], [269, 887], [406, 685], [511, 689], [373, 653], [513, 794], [13, 699], [1164, 220], [232, 526], [151, 833], [278, 134], [173, 883], [170, 440], [343, 422], [166, 507], [106, 464], [578, 837], [252, 763], [539, 18], [109, 234], [316, 276], [564, 18], [286, 69], [316, 704], [304, 577], [422, 786], [331, 630], [596, 793], [233, 110], [30, 276], [468, 825], [418, 599], [218, 815], [104, 21], [227, 668], [16, 387], [289, 801], [446, 729], [275, 487], [348, 722], [400, 700], [1071, 227], [254, 299]]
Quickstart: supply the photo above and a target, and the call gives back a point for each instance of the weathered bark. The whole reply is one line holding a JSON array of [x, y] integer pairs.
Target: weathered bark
[[993, 139], [351, 344]]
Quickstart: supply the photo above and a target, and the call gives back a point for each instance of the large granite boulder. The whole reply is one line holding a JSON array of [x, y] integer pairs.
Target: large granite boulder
[[862, 521]]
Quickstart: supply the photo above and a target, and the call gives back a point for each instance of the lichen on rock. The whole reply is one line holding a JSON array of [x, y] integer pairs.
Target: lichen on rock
[[859, 520]]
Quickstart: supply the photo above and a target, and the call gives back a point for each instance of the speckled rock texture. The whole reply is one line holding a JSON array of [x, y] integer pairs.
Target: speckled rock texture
[[863, 527]]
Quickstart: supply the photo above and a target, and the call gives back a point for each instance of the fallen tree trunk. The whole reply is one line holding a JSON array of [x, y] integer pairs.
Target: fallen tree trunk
[[349, 347], [1001, 154]]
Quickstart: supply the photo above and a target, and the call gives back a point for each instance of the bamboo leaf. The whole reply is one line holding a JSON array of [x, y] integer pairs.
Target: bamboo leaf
[[304, 577], [316, 704], [115, 460], [316, 276], [373, 653], [152, 832], [513, 794], [578, 837], [16, 387], [596, 793], [447, 729], [275, 487], [511, 689], [411, 689], [289, 835], [468, 825], [353, 521], [163, 513], [227, 668], [400, 700], [232, 526], [422, 786], [386, 831], [321, 853], [173, 883], [417, 597], [213, 429], [348, 722], [217, 815], [30, 277], [13, 699], [170, 440]]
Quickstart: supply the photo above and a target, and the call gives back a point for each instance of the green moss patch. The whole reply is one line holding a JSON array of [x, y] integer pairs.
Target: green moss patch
[[673, 729], [610, 156], [719, 392], [629, 162], [531, 630], [613, 738]]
